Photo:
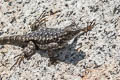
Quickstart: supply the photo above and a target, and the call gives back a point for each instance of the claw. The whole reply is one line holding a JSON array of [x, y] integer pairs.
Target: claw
[[89, 27], [19, 60]]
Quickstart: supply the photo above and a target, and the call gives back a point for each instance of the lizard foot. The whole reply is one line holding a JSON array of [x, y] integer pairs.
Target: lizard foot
[[28, 51], [52, 58], [19, 60], [52, 61], [89, 27]]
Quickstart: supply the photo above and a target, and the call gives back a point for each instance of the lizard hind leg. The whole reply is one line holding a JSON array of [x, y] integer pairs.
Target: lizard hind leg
[[28, 51]]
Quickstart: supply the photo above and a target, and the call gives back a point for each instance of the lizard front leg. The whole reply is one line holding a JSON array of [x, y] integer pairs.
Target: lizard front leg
[[51, 53], [52, 58], [28, 51]]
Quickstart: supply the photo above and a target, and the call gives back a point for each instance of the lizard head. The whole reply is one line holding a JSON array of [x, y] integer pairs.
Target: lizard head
[[71, 28]]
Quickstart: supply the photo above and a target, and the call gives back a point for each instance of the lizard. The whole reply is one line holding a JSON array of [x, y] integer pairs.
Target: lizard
[[48, 39]]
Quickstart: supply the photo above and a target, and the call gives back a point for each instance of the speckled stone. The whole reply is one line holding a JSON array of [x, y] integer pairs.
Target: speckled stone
[[98, 56]]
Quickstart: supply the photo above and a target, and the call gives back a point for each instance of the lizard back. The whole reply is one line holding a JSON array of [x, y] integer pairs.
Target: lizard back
[[41, 36]]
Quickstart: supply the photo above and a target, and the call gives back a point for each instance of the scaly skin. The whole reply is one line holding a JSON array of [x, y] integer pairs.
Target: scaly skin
[[45, 39]]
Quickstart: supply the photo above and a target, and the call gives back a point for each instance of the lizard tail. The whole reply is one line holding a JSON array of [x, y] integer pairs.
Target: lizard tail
[[12, 39]]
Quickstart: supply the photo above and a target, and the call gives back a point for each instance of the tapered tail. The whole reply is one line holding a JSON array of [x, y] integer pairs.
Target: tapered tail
[[17, 39]]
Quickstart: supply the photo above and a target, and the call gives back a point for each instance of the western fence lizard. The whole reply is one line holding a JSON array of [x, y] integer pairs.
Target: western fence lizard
[[49, 39]]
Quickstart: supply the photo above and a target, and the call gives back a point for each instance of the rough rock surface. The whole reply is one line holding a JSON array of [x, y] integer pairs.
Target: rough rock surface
[[98, 56]]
